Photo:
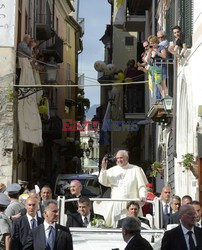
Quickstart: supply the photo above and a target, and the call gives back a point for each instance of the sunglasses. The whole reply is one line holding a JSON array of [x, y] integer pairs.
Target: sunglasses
[[160, 37]]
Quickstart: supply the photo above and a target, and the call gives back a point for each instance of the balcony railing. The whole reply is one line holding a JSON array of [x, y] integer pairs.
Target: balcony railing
[[166, 67], [44, 29], [55, 49], [134, 94], [157, 112]]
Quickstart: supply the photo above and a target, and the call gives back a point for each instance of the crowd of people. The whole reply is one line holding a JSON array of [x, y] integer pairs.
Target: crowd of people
[[157, 49], [29, 218]]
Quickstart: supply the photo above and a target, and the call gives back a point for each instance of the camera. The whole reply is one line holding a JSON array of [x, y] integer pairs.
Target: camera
[[111, 160]]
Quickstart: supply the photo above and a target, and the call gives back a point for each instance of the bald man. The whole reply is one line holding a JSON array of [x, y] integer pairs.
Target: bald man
[[75, 192], [186, 235], [22, 225]]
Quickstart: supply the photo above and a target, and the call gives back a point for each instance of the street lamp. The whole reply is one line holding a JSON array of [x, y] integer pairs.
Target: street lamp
[[90, 143], [168, 103], [87, 152]]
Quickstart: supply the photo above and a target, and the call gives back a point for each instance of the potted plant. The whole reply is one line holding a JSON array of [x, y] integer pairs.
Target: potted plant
[[156, 167], [190, 163]]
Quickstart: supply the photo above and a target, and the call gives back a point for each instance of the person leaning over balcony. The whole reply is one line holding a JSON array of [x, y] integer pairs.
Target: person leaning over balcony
[[126, 181], [186, 235], [131, 234], [141, 66], [178, 47], [162, 39], [24, 48], [158, 53]]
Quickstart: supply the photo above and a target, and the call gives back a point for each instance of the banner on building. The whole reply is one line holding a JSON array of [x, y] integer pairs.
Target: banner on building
[[7, 22]]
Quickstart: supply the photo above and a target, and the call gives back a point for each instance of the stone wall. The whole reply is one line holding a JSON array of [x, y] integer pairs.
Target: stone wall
[[7, 63]]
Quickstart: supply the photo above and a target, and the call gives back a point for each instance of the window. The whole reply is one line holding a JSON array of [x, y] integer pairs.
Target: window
[[185, 20], [129, 41]]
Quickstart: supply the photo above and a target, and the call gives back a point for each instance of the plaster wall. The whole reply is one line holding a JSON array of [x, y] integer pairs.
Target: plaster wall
[[189, 98]]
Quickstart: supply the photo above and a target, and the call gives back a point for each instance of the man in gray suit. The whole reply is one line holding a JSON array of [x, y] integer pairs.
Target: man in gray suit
[[49, 235]]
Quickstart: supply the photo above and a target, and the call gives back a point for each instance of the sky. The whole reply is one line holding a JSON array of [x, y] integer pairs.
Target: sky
[[97, 15]]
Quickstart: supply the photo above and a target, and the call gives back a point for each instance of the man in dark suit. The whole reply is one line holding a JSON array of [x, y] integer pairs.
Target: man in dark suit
[[49, 235], [165, 201], [175, 218], [85, 214], [131, 235], [133, 209], [186, 235], [75, 192], [197, 207], [22, 225]]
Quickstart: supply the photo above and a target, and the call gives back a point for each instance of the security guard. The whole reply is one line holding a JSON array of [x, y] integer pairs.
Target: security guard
[[24, 189], [5, 226], [13, 209]]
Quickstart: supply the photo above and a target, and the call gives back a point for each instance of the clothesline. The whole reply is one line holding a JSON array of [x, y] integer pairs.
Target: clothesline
[[74, 85]]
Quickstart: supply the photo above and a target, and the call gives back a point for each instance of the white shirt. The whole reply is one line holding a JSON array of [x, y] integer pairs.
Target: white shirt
[[83, 217], [186, 236], [46, 228], [164, 204], [198, 224], [30, 219]]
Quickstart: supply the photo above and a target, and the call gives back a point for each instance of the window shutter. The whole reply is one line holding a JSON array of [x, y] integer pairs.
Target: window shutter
[[184, 20], [187, 21], [170, 21]]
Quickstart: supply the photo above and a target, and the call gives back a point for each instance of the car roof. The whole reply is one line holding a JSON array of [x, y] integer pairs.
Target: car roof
[[76, 176]]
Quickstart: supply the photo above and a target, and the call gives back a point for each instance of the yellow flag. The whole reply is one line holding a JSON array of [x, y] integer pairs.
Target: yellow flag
[[119, 2], [150, 82]]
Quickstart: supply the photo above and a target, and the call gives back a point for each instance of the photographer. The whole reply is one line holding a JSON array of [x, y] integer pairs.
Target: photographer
[[126, 181]]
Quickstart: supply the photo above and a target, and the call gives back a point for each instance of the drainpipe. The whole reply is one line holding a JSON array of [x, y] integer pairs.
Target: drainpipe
[[53, 14], [174, 125], [153, 16]]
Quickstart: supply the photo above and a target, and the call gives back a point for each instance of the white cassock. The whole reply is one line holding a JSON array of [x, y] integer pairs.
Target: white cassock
[[127, 182]]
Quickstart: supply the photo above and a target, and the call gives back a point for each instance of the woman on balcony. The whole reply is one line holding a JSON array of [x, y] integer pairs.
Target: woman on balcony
[[155, 56]]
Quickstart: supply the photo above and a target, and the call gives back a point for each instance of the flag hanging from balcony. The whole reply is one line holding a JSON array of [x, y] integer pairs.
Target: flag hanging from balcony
[[120, 13], [150, 83]]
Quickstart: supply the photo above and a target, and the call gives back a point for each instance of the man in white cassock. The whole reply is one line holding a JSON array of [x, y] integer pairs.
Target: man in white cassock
[[126, 181]]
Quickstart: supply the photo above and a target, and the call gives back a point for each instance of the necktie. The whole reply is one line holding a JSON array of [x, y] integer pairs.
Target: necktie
[[85, 223], [51, 238], [191, 241], [33, 223], [166, 209]]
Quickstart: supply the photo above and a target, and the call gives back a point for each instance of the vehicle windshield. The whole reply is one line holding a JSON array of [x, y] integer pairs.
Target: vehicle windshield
[[91, 187]]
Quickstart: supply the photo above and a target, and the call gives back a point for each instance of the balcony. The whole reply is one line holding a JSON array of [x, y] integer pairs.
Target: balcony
[[43, 27], [157, 112], [55, 49], [134, 101], [43, 32], [134, 16]]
